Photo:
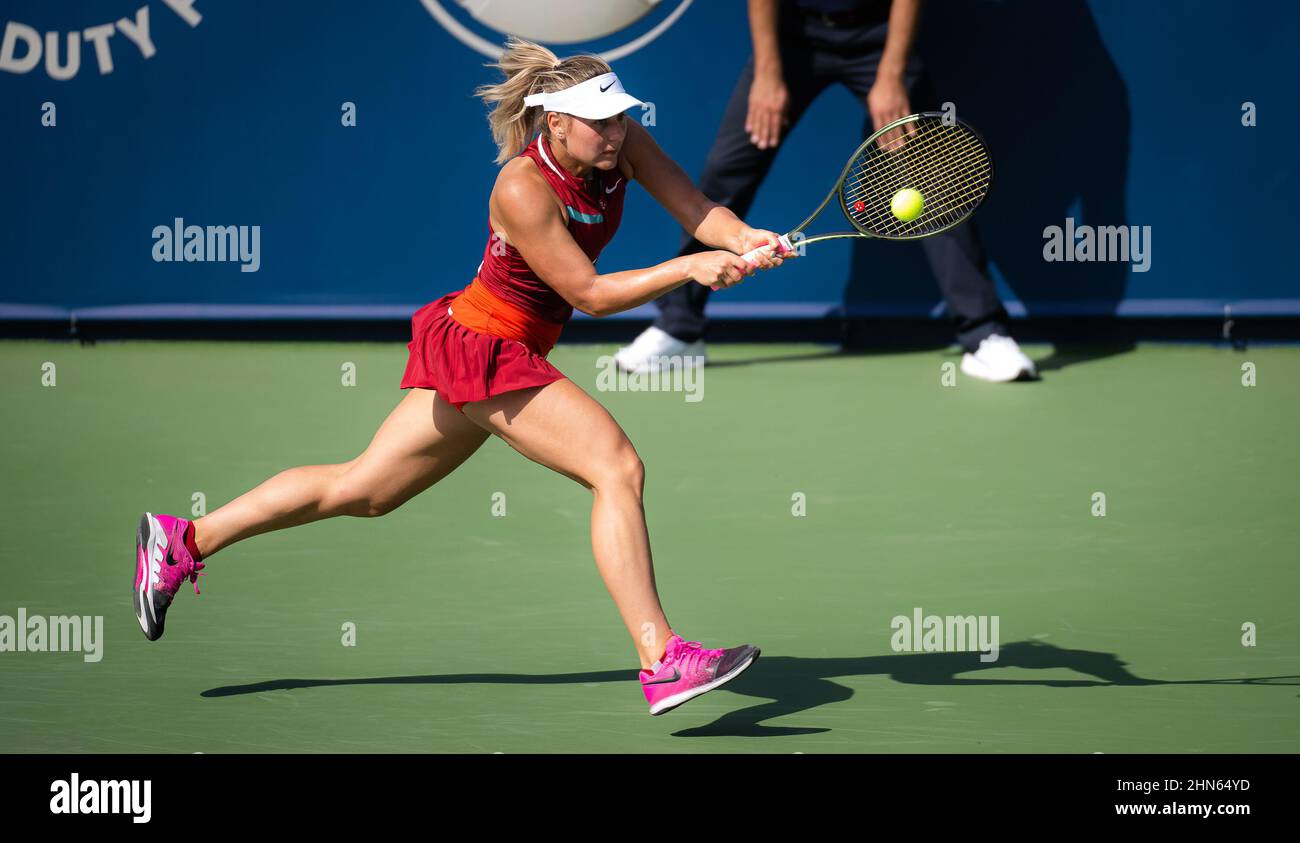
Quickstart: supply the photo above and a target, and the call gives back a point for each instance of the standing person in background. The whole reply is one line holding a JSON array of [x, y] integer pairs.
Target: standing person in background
[[800, 48]]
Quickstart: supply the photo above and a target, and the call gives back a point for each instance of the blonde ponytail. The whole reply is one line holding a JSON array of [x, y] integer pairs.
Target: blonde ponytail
[[529, 69]]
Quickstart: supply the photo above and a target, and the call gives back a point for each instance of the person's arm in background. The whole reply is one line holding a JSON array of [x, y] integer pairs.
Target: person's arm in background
[[768, 96], [887, 99], [708, 222]]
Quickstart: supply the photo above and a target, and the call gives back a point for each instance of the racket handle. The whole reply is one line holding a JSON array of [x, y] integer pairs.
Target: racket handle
[[785, 247]]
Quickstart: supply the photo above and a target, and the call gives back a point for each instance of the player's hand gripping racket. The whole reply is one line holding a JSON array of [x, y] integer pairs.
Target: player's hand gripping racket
[[916, 177]]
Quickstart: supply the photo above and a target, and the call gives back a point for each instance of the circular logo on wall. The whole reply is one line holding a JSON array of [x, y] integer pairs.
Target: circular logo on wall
[[555, 21]]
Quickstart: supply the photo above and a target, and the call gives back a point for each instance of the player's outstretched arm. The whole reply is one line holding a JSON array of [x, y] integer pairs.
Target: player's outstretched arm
[[534, 223]]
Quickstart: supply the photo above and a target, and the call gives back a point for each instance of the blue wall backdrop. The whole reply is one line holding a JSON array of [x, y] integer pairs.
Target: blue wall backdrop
[[1109, 112]]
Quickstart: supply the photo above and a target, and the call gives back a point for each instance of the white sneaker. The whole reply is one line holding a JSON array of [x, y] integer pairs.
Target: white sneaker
[[647, 351], [998, 359]]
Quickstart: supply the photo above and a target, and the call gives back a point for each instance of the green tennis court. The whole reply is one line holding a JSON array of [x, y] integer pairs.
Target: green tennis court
[[478, 632]]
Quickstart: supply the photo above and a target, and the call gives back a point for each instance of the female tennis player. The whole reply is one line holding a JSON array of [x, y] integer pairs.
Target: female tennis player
[[478, 364]]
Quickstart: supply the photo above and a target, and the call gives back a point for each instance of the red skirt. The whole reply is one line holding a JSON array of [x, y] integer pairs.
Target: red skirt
[[464, 365]]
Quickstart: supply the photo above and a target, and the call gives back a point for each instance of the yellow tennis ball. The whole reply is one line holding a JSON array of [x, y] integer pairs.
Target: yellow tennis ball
[[907, 204]]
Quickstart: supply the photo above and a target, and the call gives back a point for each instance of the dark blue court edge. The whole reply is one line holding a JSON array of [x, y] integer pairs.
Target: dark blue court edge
[[490, 792]]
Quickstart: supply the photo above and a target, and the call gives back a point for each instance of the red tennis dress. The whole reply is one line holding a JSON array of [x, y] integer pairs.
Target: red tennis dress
[[494, 335]]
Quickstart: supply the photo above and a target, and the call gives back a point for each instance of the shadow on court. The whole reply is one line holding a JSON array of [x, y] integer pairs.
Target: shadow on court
[[798, 684], [827, 354], [1068, 355], [1063, 355]]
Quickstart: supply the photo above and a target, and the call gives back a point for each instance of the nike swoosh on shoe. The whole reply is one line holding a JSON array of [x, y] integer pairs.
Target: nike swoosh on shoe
[[677, 674]]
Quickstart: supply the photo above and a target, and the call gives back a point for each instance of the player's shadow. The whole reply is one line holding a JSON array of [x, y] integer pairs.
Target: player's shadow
[[1036, 79], [1062, 355], [798, 684], [1068, 354]]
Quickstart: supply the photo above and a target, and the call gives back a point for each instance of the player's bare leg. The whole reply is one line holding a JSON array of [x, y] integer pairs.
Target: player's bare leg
[[422, 441], [565, 429]]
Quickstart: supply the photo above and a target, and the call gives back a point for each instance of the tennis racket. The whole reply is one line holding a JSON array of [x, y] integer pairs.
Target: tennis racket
[[945, 160]]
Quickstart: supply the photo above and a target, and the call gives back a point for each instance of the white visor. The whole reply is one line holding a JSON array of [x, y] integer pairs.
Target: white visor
[[594, 99]]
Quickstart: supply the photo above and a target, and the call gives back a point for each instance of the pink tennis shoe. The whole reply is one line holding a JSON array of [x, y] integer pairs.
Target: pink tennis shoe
[[165, 557], [688, 670]]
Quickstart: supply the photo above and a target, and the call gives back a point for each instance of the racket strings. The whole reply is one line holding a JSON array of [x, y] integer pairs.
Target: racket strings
[[948, 165], [950, 191], [945, 203], [949, 186], [924, 155], [950, 205], [914, 163], [867, 175]]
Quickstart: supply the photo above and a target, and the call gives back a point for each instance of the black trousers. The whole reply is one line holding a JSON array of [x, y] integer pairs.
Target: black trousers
[[814, 56]]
